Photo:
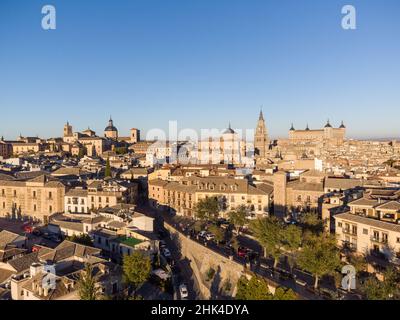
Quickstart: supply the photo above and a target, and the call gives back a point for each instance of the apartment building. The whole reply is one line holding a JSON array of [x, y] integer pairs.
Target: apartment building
[[109, 193], [182, 196], [372, 225], [37, 198]]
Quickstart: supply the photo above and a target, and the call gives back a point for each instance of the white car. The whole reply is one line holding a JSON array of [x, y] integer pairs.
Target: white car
[[162, 274], [209, 236], [183, 291], [202, 234], [301, 282], [166, 253]]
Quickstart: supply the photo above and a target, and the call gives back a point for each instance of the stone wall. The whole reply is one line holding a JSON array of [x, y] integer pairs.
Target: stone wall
[[202, 259]]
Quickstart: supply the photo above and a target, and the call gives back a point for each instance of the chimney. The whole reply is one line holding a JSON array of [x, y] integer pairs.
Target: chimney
[[35, 269]]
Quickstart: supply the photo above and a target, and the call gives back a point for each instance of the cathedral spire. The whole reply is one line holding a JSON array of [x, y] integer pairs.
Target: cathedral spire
[[261, 117]]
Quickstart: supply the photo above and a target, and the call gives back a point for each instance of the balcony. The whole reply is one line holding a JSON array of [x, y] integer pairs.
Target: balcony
[[379, 240], [349, 232]]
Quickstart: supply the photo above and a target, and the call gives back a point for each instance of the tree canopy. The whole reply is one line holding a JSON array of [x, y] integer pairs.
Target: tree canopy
[[388, 289], [87, 288], [207, 209], [320, 256], [238, 217], [137, 268], [107, 172], [275, 237]]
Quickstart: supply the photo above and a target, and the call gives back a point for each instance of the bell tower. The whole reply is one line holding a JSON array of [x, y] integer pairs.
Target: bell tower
[[67, 130], [261, 140]]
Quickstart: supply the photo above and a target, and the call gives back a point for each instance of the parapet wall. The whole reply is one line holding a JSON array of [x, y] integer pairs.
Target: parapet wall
[[202, 259]]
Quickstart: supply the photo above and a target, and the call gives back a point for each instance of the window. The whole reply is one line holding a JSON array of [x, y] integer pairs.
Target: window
[[107, 200], [15, 193], [4, 205], [398, 240], [339, 224], [50, 195], [34, 207], [354, 229], [34, 194], [50, 209], [365, 231], [299, 198]]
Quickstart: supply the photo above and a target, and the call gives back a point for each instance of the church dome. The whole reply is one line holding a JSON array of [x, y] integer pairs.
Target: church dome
[[110, 126], [229, 130]]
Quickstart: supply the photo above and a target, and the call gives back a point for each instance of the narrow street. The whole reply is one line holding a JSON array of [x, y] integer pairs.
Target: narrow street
[[261, 266]]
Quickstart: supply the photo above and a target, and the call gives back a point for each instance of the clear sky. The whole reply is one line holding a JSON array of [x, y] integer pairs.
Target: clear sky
[[200, 62]]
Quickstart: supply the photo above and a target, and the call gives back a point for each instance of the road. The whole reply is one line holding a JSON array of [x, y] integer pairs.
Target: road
[[262, 266]]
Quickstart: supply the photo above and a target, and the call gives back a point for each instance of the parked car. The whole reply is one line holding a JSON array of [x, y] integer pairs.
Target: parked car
[[46, 236], [183, 291], [162, 274], [56, 238], [37, 232], [166, 253], [28, 228], [202, 234], [242, 252], [252, 255], [301, 282], [163, 244], [209, 236]]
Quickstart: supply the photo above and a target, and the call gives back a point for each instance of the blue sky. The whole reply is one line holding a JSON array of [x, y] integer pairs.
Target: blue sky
[[200, 62]]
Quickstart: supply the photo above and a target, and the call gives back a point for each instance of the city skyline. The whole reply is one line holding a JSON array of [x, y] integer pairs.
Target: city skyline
[[295, 60]]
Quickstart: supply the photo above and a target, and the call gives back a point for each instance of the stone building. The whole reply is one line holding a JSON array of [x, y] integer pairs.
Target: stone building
[[228, 149], [371, 225], [327, 134], [305, 194], [6, 149], [110, 131], [37, 198], [231, 193]]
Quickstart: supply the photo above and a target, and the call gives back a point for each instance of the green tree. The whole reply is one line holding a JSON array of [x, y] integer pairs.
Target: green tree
[[388, 289], [291, 242], [269, 233], [207, 209], [238, 217], [284, 294], [218, 232], [254, 289], [137, 268], [87, 288], [358, 262], [82, 152], [83, 239], [311, 224], [198, 226], [121, 150], [107, 172], [320, 256]]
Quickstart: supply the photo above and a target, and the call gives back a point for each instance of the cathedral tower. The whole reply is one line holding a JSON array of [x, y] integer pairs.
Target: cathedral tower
[[261, 141]]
